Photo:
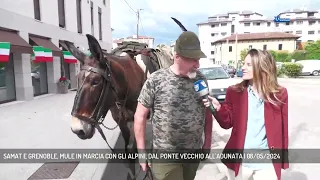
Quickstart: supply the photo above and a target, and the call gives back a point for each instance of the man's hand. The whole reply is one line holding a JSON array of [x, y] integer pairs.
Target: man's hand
[[144, 166], [206, 149], [216, 104]]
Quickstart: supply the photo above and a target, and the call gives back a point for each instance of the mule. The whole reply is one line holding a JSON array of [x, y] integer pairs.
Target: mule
[[109, 82]]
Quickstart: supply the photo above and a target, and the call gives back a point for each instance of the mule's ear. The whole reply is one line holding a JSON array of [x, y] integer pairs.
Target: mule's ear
[[79, 55], [95, 47]]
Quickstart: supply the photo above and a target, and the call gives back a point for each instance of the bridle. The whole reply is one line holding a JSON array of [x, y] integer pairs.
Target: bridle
[[99, 112]]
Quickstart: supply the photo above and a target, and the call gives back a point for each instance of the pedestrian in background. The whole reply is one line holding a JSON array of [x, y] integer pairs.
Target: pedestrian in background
[[257, 111], [178, 119]]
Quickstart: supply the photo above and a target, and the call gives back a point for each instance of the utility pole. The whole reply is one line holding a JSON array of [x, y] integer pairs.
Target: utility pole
[[138, 20]]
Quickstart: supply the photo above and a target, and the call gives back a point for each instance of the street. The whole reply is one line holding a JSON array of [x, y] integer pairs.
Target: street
[[45, 123]]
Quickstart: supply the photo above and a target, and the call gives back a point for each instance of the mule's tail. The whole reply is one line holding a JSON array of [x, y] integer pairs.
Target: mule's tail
[[179, 23]]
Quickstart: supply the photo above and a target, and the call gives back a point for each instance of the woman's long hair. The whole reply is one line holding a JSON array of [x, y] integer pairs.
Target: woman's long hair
[[264, 76]]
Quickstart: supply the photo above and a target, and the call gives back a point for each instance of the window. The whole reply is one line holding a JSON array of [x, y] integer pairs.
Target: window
[[100, 23], [232, 28], [213, 26], [92, 27], [287, 23], [36, 6], [312, 23], [104, 2], [268, 24], [224, 24], [277, 24], [299, 22], [250, 46], [318, 31], [280, 47], [246, 24], [212, 52], [299, 32], [212, 43], [61, 11], [265, 47], [246, 16], [79, 16], [230, 48], [223, 33], [7, 81], [310, 32]]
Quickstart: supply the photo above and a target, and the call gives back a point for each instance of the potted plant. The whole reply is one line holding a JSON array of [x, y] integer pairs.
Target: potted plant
[[63, 85]]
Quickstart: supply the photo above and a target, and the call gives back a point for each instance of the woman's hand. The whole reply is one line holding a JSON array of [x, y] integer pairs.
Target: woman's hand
[[214, 102]]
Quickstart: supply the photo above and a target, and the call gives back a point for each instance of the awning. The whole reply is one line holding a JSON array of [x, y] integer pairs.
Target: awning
[[67, 56], [46, 43], [17, 43]]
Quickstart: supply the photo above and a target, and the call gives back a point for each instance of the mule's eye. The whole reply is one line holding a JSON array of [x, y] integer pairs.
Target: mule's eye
[[94, 82]]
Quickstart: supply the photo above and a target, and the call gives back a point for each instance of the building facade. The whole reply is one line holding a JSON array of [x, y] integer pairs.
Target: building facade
[[47, 24], [303, 23], [142, 39], [228, 49]]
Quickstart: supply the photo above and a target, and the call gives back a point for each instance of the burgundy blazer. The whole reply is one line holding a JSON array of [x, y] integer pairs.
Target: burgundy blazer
[[234, 113]]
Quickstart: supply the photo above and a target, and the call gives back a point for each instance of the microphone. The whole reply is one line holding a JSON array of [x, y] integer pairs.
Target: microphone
[[202, 90]]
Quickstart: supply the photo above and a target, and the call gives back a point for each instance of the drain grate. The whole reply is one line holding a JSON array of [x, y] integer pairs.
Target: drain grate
[[54, 170]]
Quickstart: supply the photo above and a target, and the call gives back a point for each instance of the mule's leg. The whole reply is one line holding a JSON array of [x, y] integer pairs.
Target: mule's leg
[[126, 134], [131, 146]]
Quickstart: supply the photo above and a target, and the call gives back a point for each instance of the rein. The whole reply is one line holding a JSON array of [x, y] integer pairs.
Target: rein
[[99, 113]]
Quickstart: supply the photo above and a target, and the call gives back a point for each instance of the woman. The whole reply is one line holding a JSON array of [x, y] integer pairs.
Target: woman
[[257, 111]]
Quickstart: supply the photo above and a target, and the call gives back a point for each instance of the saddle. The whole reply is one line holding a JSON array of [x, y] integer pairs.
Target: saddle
[[154, 59]]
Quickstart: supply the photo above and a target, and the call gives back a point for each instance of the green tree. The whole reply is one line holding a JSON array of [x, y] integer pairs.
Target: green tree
[[298, 55], [243, 54], [274, 54], [282, 57], [313, 50]]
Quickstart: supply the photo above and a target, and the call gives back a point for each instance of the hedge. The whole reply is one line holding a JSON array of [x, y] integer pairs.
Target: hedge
[[290, 69]]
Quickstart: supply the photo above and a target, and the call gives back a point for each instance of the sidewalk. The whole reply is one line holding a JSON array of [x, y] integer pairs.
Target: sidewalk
[[301, 80], [45, 123]]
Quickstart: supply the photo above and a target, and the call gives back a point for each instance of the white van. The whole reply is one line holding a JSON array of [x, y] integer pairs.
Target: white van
[[310, 67]]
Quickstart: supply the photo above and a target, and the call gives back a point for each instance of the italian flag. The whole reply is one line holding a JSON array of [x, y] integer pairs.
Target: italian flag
[[48, 54], [68, 57], [4, 51], [39, 55]]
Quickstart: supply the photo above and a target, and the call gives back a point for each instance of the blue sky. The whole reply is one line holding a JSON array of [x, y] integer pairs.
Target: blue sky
[[156, 21]]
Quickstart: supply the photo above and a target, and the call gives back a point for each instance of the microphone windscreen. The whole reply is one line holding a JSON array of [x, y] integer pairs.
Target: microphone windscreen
[[201, 87]]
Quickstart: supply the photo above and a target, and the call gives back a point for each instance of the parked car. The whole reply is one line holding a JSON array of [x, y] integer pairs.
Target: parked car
[[310, 67], [239, 73], [231, 70], [218, 80]]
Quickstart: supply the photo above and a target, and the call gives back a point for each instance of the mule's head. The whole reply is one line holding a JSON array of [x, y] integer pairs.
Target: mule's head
[[94, 91]]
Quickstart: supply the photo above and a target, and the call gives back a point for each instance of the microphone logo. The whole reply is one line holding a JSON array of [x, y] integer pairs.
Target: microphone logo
[[196, 87]]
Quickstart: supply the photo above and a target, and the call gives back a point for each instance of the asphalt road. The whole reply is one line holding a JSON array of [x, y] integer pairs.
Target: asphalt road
[[118, 171]]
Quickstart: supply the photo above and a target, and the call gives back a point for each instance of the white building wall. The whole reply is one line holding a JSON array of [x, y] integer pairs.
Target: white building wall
[[21, 13], [206, 30], [224, 56]]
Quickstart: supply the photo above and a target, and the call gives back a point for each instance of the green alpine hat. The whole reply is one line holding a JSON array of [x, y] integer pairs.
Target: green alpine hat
[[188, 45]]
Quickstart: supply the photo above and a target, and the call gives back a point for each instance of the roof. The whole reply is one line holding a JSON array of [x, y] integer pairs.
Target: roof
[[139, 37], [298, 11], [259, 36], [117, 41]]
